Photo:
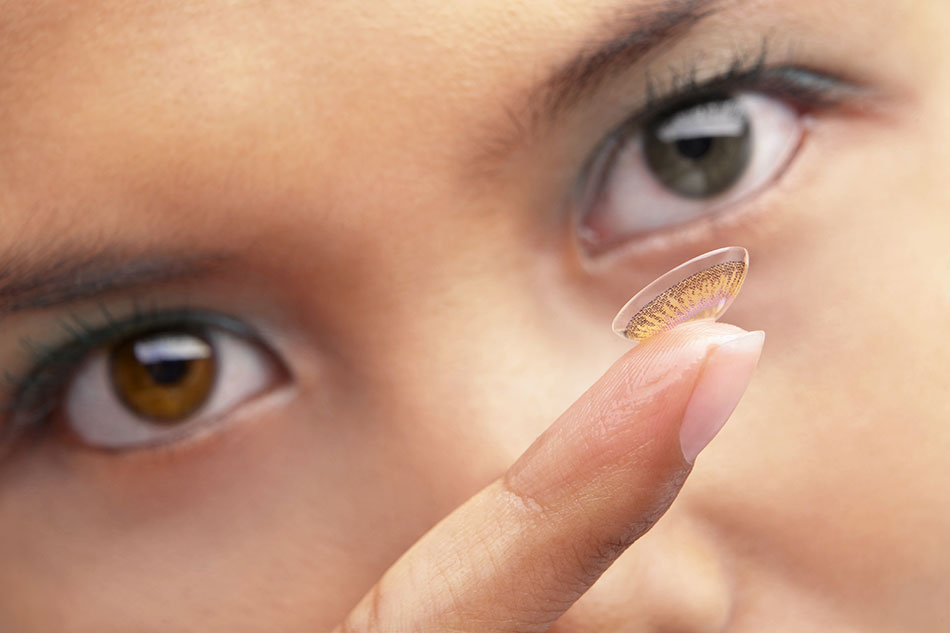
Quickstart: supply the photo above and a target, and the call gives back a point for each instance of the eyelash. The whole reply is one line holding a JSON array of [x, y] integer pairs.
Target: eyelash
[[805, 88], [36, 393]]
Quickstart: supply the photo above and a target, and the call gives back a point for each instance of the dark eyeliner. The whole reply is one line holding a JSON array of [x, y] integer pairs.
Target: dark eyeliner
[[36, 394]]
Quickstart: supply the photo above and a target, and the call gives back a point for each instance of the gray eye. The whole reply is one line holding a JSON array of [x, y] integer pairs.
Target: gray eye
[[685, 164], [700, 150]]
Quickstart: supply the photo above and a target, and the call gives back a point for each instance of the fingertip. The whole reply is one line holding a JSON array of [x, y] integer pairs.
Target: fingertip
[[722, 382]]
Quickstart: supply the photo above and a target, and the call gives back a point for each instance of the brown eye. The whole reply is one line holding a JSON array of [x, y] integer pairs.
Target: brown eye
[[163, 377], [164, 384]]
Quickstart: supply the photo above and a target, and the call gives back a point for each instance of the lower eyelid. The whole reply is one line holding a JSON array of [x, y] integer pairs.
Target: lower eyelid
[[752, 221]]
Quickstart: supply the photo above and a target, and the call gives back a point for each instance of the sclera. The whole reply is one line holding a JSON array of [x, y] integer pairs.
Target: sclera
[[702, 288]]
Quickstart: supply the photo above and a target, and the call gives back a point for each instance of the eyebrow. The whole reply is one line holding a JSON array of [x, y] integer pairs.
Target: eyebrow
[[33, 285], [633, 33]]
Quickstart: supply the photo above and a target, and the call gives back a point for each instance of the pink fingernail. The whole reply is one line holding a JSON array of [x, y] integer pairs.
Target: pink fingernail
[[724, 378]]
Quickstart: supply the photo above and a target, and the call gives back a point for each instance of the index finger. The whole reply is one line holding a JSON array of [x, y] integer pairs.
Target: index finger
[[524, 549]]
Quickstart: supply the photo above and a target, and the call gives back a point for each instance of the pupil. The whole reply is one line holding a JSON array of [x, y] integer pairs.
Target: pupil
[[163, 377], [168, 372], [694, 148], [701, 150]]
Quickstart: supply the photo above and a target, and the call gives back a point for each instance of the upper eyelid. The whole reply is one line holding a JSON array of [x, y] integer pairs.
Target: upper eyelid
[[824, 91], [804, 87]]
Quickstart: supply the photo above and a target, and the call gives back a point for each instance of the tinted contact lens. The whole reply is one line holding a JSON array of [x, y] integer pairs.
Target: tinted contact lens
[[702, 288]]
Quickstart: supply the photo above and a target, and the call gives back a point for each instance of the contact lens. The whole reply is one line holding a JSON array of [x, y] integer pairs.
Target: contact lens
[[702, 288]]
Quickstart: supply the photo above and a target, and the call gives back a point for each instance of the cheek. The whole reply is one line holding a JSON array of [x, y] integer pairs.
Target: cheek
[[270, 514], [304, 505], [849, 401]]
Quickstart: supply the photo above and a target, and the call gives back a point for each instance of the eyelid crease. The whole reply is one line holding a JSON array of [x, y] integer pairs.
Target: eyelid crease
[[646, 29]]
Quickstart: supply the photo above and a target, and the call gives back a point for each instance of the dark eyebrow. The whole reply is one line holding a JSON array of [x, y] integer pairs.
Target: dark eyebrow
[[632, 34], [26, 284]]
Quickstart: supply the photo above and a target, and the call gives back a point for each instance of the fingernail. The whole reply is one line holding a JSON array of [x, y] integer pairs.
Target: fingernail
[[724, 378]]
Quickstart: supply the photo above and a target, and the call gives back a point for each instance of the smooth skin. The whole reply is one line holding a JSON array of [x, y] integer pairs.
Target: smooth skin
[[395, 229]]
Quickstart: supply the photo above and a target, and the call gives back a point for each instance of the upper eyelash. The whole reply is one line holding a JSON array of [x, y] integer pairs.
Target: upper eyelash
[[803, 87], [35, 394], [685, 82]]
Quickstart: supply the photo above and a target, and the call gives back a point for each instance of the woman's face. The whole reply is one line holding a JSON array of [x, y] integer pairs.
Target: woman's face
[[387, 195]]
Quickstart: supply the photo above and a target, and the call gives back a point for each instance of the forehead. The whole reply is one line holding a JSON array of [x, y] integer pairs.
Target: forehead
[[327, 58], [308, 136], [109, 90]]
